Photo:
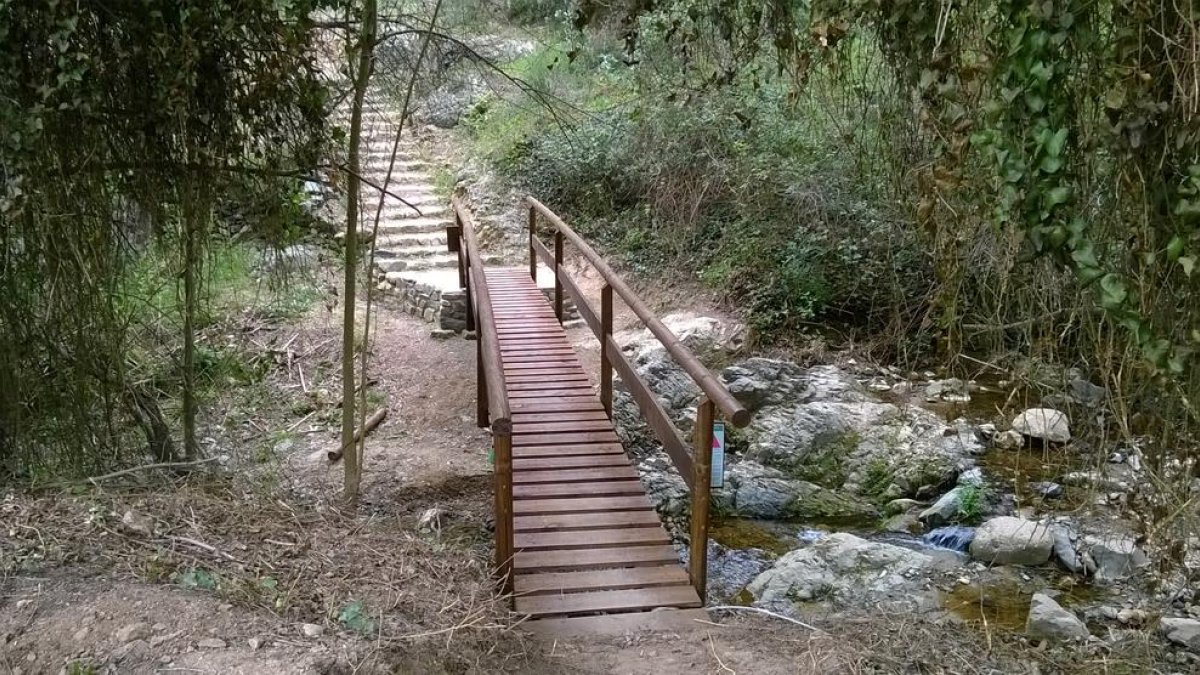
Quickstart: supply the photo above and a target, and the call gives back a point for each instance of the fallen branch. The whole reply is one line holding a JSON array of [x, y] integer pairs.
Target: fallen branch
[[367, 427], [144, 467], [759, 610], [206, 547]]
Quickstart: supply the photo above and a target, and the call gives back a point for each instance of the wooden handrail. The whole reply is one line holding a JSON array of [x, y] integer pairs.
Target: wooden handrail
[[492, 392], [734, 411], [497, 395], [695, 466]]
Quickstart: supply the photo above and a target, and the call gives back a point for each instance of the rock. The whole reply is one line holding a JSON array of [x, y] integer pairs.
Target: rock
[[761, 492], [312, 630], [1047, 619], [1184, 632], [1112, 558], [944, 509], [1045, 424], [1047, 489], [903, 523], [1085, 393], [254, 643], [1097, 480], [211, 643], [971, 477], [1132, 617], [138, 522], [441, 334], [134, 631], [1064, 548], [952, 390], [901, 505], [844, 569], [1008, 440], [1012, 541], [431, 520], [81, 634]]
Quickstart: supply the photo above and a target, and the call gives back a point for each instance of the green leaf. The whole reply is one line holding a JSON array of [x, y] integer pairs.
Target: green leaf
[[1050, 164], [1175, 248], [355, 618], [1058, 195], [1085, 255], [1188, 263], [1112, 291], [198, 578], [1056, 142]]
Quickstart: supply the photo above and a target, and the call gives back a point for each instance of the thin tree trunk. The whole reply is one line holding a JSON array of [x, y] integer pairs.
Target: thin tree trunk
[[191, 262], [366, 53]]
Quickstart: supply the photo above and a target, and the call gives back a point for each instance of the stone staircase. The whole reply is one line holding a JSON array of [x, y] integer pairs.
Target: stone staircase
[[411, 258]]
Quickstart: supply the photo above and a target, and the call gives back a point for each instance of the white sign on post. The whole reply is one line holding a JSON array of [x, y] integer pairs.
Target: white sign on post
[[718, 455]]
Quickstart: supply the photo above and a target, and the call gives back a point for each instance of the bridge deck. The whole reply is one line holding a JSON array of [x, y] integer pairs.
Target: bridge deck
[[587, 539]]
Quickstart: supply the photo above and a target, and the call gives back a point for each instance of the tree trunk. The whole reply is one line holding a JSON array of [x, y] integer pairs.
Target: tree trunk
[[191, 261], [362, 75]]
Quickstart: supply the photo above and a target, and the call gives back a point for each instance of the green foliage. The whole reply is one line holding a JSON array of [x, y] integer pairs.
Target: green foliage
[[197, 577], [130, 132], [354, 617], [971, 502]]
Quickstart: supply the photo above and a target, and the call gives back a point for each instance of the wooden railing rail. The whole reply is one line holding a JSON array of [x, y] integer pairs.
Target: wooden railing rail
[[491, 395], [694, 464]]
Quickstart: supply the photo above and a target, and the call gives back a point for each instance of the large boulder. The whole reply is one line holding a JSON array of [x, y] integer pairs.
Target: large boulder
[[842, 568], [944, 509], [1045, 424], [1184, 632], [761, 492], [1048, 619], [1013, 541]]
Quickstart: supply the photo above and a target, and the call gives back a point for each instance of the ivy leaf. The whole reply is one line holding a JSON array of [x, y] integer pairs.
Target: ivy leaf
[[1050, 164], [1056, 142], [1188, 263], [1056, 196], [1035, 103], [1112, 291], [1175, 248], [1085, 256]]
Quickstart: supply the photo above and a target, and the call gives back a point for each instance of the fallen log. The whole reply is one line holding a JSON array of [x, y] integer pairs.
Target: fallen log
[[367, 427]]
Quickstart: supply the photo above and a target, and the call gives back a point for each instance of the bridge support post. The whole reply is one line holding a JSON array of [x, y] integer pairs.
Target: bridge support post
[[606, 369], [558, 285], [532, 252], [502, 450], [698, 553], [481, 393]]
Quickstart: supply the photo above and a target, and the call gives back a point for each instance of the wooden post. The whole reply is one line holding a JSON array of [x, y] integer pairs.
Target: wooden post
[[532, 253], [502, 451], [558, 287], [698, 554], [481, 395], [606, 329]]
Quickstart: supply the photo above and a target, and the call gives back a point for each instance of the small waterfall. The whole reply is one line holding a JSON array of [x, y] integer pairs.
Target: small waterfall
[[953, 537]]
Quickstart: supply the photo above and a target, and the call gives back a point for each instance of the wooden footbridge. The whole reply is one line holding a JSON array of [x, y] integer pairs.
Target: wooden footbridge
[[575, 532]]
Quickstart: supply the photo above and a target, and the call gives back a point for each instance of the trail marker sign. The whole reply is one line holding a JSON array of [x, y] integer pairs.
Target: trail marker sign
[[718, 455]]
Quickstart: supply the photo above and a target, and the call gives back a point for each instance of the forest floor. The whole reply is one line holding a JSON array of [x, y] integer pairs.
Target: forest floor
[[252, 565]]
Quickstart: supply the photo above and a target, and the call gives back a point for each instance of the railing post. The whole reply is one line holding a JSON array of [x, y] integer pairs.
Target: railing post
[[532, 253], [502, 452], [481, 394], [606, 329], [558, 286], [698, 554]]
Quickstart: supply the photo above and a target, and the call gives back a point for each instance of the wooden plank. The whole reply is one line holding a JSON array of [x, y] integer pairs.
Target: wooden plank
[[535, 451], [621, 472], [560, 406], [550, 385], [633, 600], [579, 390], [576, 462], [663, 621], [596, 489], [562, 561], [547, 427], [523, 380], [542, 507], [568, 357], [566, 438], [586, 521], [585, 539], [653, 413], [594, 580], [542, 404], [577, 416]]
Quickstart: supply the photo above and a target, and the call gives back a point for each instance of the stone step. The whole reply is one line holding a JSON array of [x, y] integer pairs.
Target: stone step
[[373, 161], [407, 239], [401, 180], [443, 260], [412, 225], [410, 253]]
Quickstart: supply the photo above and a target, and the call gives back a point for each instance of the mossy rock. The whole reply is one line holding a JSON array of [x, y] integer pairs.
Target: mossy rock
[[827, 505]]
